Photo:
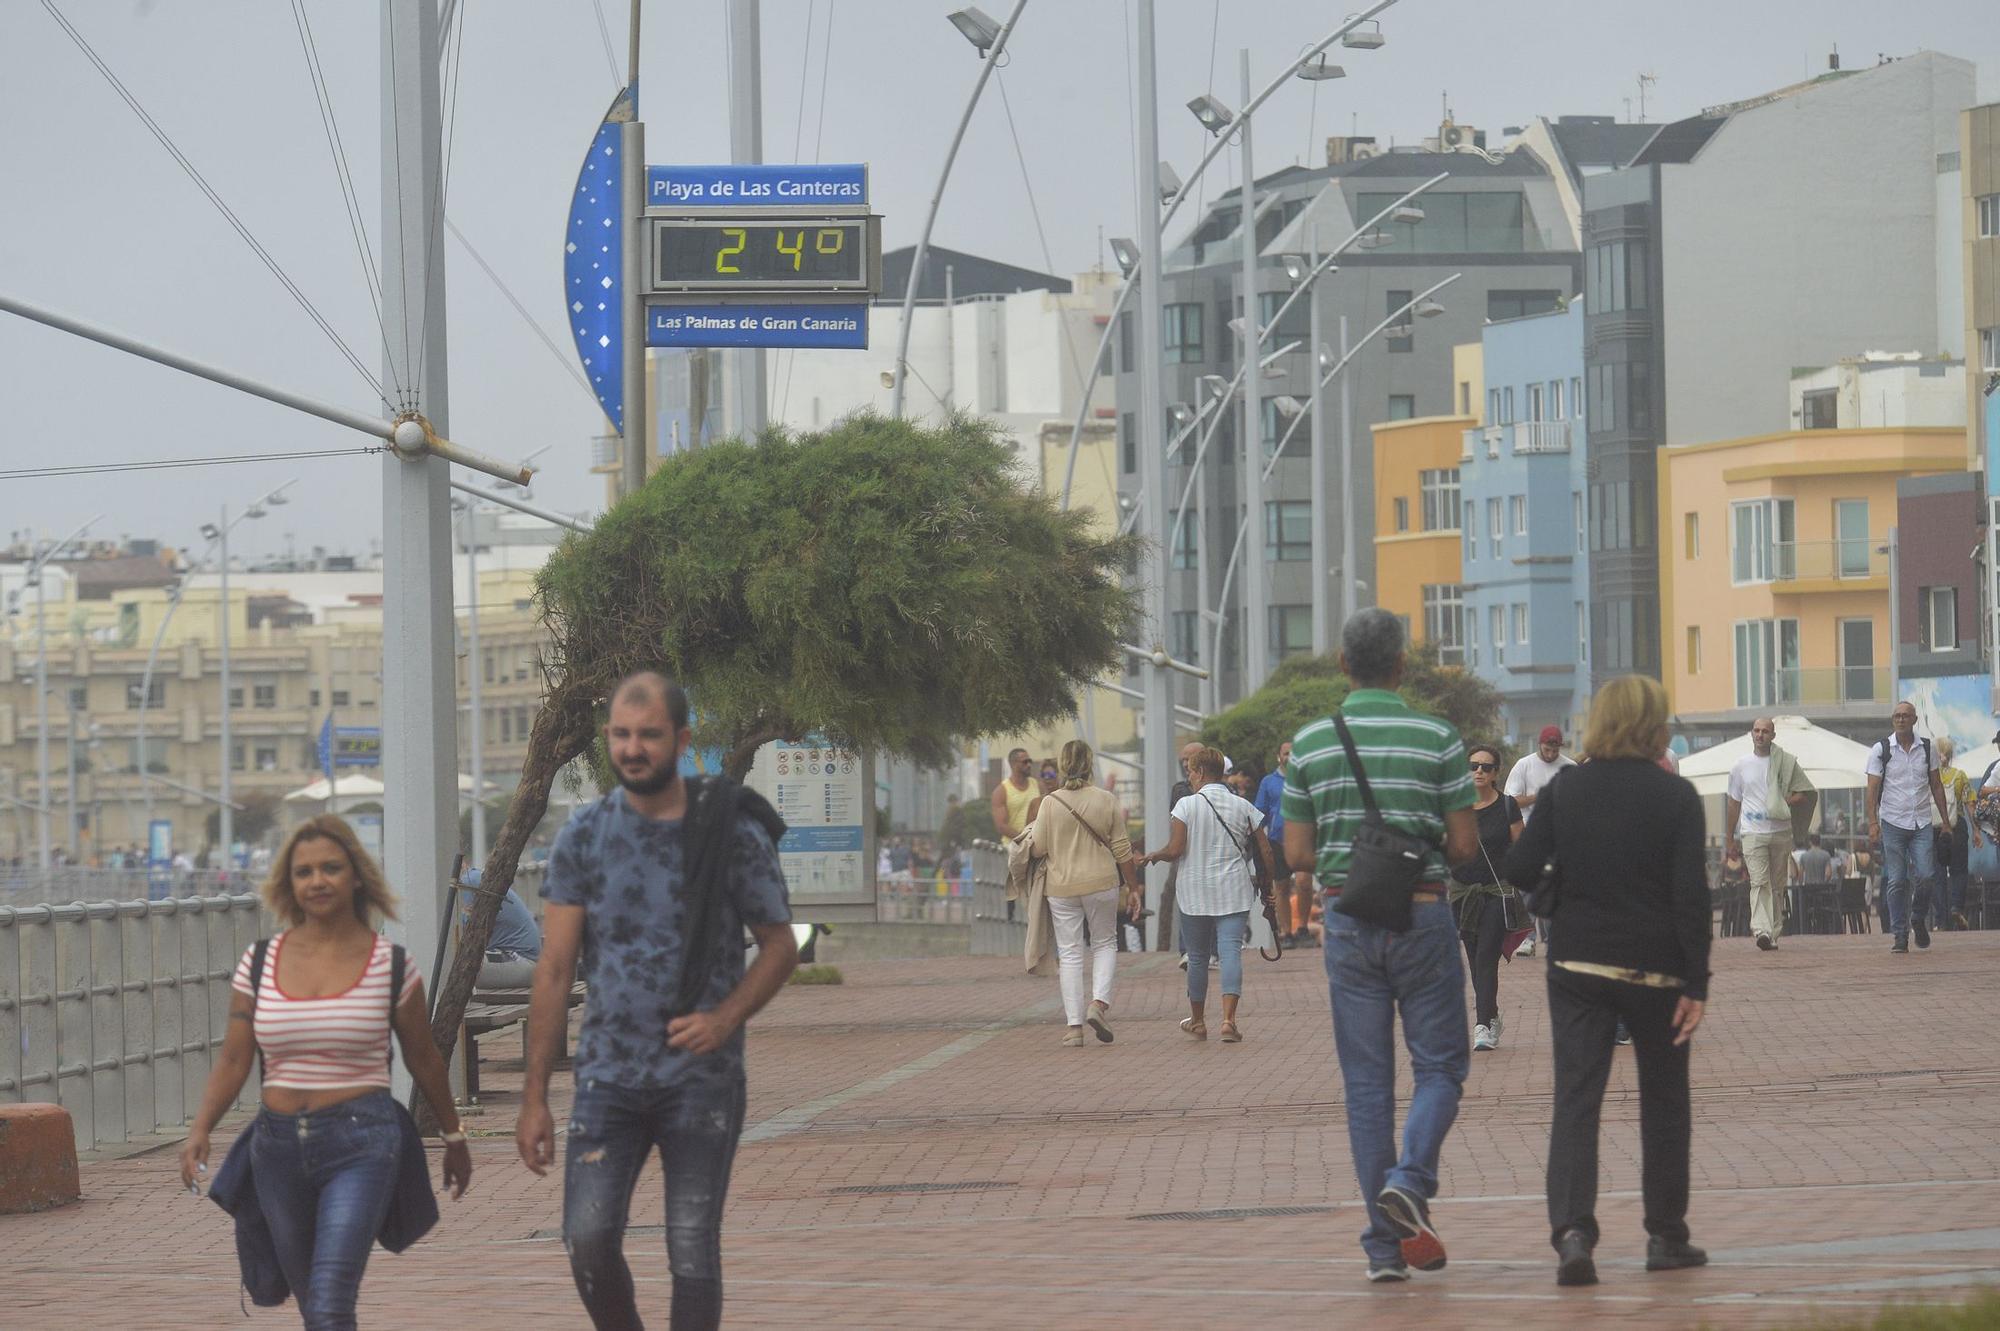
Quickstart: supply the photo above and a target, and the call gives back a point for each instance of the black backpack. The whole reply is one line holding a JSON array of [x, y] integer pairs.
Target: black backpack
[[1882, 754]]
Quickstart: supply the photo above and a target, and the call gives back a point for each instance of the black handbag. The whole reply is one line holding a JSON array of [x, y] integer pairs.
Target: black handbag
[[1387, 863]]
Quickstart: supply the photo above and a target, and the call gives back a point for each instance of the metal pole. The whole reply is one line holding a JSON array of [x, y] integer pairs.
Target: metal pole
[[986, 68], [42, 719], [1151, 423], [1256, 613], [75, 845], [745, 365], [1347, 497], [1322, 618], [473, 672], [228, 822], [419, 689], [521, 506]]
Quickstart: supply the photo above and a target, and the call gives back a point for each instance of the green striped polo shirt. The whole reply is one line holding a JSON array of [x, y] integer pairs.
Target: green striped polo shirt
[[1416, 767]]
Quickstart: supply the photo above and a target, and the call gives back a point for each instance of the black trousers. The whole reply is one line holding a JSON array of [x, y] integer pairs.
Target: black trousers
[[1584, 1011], [1482, 928]]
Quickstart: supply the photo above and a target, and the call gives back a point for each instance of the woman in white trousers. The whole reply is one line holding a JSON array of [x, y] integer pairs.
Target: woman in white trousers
[[1080, 829]]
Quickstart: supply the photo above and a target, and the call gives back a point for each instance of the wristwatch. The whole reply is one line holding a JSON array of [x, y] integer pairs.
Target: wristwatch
[[453, 1138]]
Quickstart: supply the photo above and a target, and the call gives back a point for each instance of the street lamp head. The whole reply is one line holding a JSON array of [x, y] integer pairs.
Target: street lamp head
[[1319, 69], [1170, 183], [1326, 356], [977, 26], [1275, 374], [1375, 240], [1288, 405], [210, 532], [1365, 39], [1296, 267], [1213, 115], [254, 511], [1181, 412], [1408, 213], [1214, 383], [1126, 253], [1236, 325], [888, 378], [1429, 309]]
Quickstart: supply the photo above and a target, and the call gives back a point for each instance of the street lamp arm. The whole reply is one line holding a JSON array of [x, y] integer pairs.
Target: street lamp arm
[[521, 506], [1158, 656], [192, 790], [1201, 450], [1341, 364], [1090, 385], [41, 561], [986, 68]]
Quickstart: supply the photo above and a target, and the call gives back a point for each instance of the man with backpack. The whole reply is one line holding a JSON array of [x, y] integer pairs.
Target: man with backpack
[[657, 880], [1903, 789]]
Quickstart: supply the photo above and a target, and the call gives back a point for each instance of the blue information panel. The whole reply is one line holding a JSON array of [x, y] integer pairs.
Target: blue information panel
[[758, 325], [757, 186]]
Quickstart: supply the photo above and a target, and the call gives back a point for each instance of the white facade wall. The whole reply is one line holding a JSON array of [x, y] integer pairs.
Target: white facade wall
[[1805, 228], [1887, 394]]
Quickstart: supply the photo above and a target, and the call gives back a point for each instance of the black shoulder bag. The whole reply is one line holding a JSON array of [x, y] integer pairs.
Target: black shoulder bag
[[1387, 863]]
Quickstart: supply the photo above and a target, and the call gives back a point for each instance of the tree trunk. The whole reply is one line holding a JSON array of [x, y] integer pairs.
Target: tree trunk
[[563, 729], [742, 755]]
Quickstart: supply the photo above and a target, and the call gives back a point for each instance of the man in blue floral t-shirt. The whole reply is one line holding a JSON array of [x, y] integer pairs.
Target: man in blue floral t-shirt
[[659, 1061]]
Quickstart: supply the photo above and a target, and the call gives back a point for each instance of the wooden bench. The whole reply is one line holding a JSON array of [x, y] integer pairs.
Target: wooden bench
[[498, 1010]]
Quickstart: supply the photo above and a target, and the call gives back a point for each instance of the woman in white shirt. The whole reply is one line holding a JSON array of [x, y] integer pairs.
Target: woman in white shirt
[[1212, 834]]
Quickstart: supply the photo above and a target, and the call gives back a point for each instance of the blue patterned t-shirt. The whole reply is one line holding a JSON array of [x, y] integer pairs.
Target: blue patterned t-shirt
[[625, 870]]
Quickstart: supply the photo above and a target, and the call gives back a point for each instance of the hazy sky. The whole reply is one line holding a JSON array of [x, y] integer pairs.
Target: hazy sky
[[99, 222]]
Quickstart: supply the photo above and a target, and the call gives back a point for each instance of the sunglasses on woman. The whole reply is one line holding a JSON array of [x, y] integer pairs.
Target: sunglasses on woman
[[1485, 767]]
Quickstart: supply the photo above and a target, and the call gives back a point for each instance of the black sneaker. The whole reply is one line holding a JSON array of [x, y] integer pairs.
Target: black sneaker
[[1764, 943], [1901, 944], [1422, 1248], [1923, 932], [1624, 1035], [1574, 1264], [1388, 1273], [1672, 1254]]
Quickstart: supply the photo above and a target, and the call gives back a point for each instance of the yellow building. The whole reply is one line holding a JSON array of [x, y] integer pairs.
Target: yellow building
[[1774, 579], [1417, 550]]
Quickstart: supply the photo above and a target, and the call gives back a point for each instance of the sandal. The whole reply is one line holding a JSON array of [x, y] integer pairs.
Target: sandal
[[1198, 1029], [1230, 1035]]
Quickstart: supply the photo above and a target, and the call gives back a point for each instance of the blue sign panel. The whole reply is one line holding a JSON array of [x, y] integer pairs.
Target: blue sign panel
[[159, 859], [592, 276], [348, 746], [757, 185], [757, 325]]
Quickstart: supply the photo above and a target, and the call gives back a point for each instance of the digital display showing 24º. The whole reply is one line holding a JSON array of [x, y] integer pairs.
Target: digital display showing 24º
[[805, 254]]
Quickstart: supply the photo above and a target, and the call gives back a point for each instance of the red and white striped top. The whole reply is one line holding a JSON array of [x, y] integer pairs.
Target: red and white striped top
[[337, 1041]]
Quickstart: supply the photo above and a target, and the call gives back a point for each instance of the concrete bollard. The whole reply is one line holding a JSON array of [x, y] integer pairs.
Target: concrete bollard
[[37, 1158]]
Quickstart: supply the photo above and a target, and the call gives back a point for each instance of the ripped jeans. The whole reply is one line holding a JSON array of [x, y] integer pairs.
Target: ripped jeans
[[695, 1123]]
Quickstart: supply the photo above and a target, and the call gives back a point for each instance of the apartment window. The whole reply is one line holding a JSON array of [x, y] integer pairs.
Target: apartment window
[[1691, 536], [1988, 206], [1694, 649], [1850, 528], [1614, 277], [1638, 396], [1439, 488], [506, 726], [521, 723], [1456, 223], [1472, 534], [1287, 530], [1857, 660], [1402, 406], [264, 696], [1576, 398], [1625, 635], [1767, 662], [1535, 405], [1496, 632], [1184, 636], [1760, 542], [1989, 350], [1181, 332], [79, 697], [1521, 623], [1465, 397], [1493, 528], [236, 758], [1128, 442], [1402, 507], [1517, 508], [1396, 301], [1125, 355], [1603, 400], [312, 697], [1187, 541], [1582, 635], [1576, 516], [155, 694], [486, 666], [1470, 618], [1518, 304], [1493, 406], [1291, 630], [340, 697], [266, 757], [1444, 612], [1555, 400], [154, 758], [1819, 409], [236, 698], [1937, 618], [1295, 323], [1506, 406], [1273, 421]]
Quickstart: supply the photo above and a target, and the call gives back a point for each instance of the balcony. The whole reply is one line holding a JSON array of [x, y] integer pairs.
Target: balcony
[[1826, 562], [1541, 437], [1829, 686], [1482, 439]]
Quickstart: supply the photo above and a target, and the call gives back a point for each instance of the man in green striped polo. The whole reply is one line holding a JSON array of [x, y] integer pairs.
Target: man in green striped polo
[[1416, 768]]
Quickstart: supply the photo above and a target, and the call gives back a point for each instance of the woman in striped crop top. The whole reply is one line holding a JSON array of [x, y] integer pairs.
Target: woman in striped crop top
[[324, 1158]]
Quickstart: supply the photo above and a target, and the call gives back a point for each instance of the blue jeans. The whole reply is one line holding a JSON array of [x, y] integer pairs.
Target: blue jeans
[[324, 1180], [1370, 973], [1218, 936], [1907, 869], [695, 1123]]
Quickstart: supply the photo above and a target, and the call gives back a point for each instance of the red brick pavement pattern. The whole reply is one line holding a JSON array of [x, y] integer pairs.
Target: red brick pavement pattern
[[1844, 1156]]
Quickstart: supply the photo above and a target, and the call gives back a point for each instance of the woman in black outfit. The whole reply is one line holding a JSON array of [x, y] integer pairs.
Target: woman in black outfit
[[1475, 894], [1628, 938]]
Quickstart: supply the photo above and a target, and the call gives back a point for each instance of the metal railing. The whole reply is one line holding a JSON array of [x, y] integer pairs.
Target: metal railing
[[994, 933], [1789, 561], [114, 1009], [925, 901], [29, 886], [1541, 437], [1834, 684]]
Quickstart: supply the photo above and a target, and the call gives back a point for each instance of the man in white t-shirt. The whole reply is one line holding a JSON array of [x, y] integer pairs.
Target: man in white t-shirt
[[1757, 822], [1535, 770]]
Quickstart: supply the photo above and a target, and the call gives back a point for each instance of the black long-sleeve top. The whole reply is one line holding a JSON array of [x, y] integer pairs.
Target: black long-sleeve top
[[1626, 838]]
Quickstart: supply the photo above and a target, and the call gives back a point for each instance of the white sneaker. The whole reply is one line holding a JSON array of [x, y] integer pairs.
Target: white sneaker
[[1183, 961], [1496, 1023], [1483, 1039], [1527, 948]]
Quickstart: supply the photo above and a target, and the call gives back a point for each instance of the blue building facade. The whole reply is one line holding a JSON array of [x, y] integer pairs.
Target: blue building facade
[[1525, 575]]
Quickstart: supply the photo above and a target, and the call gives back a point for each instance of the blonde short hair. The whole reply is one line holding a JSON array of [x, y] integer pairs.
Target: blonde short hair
[[1075, 764], [1626, 719], [1208, 760], [1946, 749], [372, 897]]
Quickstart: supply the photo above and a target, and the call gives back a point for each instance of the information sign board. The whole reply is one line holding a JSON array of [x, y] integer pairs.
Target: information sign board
[[826, 797], [757, 325]]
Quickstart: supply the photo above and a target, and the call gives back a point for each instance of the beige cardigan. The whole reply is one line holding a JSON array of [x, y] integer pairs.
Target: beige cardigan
[[1078, 865]]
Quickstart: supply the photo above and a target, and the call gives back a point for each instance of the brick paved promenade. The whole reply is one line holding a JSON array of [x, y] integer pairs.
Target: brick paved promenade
[[924, 1155]]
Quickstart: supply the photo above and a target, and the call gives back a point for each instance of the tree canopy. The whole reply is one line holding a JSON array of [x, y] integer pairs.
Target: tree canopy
[[1305, 688]]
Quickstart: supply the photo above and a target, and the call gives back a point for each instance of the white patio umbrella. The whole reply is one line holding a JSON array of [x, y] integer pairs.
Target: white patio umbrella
[[349, 788], [1831, 762]]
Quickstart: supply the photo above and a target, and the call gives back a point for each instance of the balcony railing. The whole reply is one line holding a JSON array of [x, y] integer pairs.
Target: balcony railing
[[1796, 561], [1541, 437], [1838, 684]]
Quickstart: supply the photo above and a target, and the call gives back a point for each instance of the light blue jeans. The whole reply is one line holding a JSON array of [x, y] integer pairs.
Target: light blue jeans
[[1907, 869], [1218, 936], [1370, 973], [324, 1180]]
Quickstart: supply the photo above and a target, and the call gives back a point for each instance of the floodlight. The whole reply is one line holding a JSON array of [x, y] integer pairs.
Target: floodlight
[[1170, 183], [1181, 412], [1428, 309], [1126, 253], [1213, 115], [1296, 266], [1288, 405], [1407, 212], [977, 26], [1375, 240], [1319, 69], [1365, 39]]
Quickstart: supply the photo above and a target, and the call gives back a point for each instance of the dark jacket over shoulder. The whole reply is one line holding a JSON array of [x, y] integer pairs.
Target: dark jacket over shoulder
[[1626, 838]]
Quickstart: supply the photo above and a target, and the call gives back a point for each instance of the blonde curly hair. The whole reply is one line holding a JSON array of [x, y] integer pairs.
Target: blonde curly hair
[[373, 901]]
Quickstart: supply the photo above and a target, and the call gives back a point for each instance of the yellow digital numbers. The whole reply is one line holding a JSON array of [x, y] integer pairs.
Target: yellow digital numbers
[[742, 239], [796, 249], [820, 246]]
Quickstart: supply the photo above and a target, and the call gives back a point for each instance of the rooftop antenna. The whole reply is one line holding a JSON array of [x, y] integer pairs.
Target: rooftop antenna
[[1645, 81]]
